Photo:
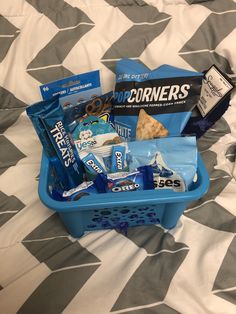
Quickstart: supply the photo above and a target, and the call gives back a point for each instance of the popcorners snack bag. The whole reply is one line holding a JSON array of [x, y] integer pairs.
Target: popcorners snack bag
[[151, 104]]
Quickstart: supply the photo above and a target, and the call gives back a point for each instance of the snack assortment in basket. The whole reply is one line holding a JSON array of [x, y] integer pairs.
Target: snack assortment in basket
[[104, 148], [85, 142]]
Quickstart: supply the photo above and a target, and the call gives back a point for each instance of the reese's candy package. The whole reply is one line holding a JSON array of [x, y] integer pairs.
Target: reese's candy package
[[173, 159], [150, 104]]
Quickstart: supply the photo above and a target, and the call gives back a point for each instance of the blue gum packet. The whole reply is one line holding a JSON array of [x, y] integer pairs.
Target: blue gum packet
[[93, 165], [118, 158], [166, 95], [174, 160]]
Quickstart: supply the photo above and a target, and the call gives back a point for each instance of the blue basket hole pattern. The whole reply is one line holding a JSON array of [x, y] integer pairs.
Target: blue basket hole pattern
[[123, 217]]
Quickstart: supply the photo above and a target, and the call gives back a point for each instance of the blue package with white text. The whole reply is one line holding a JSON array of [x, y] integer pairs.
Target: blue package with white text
[[74, 89], [150, 104]]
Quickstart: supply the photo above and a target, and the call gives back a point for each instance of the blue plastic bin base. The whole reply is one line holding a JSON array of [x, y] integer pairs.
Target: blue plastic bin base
[[121, 210]]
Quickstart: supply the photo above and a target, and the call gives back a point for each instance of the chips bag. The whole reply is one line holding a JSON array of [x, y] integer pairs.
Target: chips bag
[[150, 104]]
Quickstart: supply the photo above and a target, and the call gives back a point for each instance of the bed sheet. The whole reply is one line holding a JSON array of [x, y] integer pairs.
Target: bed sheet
[[189, 269]]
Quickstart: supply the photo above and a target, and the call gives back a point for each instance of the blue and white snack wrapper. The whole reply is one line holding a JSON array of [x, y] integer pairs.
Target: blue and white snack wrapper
[[74, 89], [94, 132], [167, 94], [141, 179], [84, 189], [48, 120], [174, 160], [99, 106]]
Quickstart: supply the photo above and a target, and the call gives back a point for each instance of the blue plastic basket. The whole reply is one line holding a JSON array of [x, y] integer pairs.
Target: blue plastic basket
[[121, 210]]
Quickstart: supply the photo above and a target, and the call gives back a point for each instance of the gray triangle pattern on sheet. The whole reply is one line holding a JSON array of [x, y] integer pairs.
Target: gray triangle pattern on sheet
[[213, 216], [219, 129], [220, 179], [138, 36], [8, 34], [47, 65], [10, 109], [199, 50], [163, 259], [225, 285], [50, 243], [231, 153], [142, 13], [151, 289], [9, 207], [158, 309], [10, 154], [219, 5], [60, 12], [153, 239], [57, 290]]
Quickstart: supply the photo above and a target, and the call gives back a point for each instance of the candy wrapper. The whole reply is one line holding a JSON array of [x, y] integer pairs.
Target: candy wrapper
[[84, 189], [151, 104], [141, 179], [173, 159]]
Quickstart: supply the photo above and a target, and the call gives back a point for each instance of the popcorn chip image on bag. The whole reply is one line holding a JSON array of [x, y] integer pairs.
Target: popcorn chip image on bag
[[149, 128]]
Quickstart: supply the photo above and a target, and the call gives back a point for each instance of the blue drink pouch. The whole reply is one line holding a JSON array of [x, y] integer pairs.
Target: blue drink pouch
[[173, 159], [150, 104]]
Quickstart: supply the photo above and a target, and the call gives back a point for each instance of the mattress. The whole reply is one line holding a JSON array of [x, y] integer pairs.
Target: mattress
[[43, 269]]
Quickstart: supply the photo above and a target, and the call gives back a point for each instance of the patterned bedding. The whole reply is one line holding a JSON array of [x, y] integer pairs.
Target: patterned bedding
[[189, 269]]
